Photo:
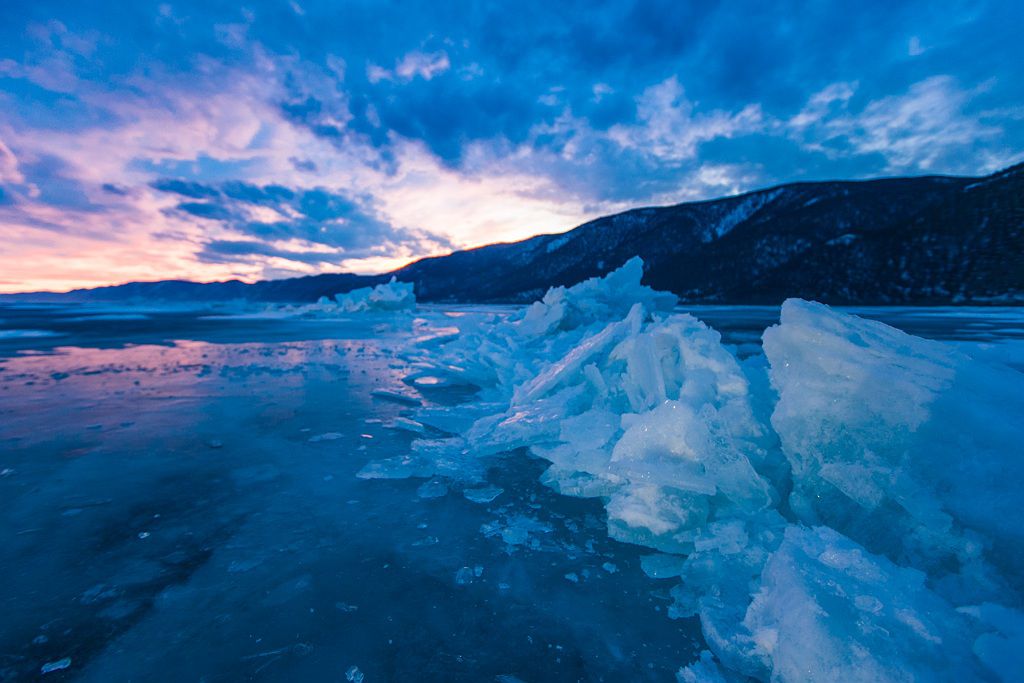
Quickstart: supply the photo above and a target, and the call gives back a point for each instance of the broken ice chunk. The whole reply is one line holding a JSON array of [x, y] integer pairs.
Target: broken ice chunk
[[483, 495], [434, 488], [391, 296], [58, 665], [806, 624], [705, 670], [404, 424], [395, 397], [899, 442], [662, 566], [517, 530], [1001, 650]]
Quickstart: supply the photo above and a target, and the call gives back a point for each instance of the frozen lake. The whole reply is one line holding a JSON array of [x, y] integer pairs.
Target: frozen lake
[[179, 502]]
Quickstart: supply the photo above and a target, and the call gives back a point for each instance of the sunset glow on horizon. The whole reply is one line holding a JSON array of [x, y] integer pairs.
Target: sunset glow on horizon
[[211, 141]]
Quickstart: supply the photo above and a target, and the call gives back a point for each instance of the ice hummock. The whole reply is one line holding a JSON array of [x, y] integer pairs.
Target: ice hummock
[[390, 296], [904, 444], [840, 508]]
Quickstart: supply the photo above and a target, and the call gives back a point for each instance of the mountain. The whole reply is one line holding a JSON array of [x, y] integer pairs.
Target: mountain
[[920, 240], [923, 240], [300, 289]]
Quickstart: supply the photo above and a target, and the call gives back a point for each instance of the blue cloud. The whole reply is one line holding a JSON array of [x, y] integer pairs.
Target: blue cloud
[[113, 189], [233, 251], [347, 226], [50, 180], [186, 188], [268, 195], [204, 168], [204, 210]]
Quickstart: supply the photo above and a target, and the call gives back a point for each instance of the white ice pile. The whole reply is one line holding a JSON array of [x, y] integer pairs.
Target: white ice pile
[[841, 508], [390, 296]]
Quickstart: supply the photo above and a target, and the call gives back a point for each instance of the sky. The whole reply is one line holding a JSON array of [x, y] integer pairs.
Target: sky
[[210, 140]]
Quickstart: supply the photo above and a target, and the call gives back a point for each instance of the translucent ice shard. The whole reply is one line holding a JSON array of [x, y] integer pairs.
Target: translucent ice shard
[[906, 445], [484, 494], [829, 610]]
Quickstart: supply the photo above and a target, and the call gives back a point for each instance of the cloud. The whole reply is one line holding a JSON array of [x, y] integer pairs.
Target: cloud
[[668, 129], [9, 172], [321, 226], [201, 210], [413, 65], [114, 189], [918, 128], [186, 188], [925, 128], [233, 251], [823, 104], [422, 65], [268, 195], [305, 165]]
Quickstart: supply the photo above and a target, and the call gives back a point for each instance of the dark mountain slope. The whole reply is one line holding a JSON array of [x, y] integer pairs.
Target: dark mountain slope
[[901, 240]]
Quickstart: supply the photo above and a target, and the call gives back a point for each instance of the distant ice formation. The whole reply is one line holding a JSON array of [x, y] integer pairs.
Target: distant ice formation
[[842, 507], [391, 296]]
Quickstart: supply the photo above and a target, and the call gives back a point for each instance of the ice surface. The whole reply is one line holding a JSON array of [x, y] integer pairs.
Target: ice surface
[[840, 508]]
